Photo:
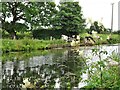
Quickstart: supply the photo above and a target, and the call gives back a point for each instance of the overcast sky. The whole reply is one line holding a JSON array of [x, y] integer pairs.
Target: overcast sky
[[100, 10], [97, 9]]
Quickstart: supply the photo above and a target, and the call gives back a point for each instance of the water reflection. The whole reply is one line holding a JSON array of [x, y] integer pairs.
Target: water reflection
[[63, 68]]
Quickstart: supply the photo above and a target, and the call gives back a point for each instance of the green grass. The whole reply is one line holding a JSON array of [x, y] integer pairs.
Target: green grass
[[115, 38], [28, 44]]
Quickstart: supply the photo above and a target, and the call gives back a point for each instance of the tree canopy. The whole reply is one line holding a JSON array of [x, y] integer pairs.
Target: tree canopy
[[69, 18], [32, 15], [97, 27], [16, 11]]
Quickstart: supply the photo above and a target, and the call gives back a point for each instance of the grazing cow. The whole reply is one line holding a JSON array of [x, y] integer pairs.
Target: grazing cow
[[65, 38], [77, 38], [51, 38], [89, 38], [27, 84], [74, 42]]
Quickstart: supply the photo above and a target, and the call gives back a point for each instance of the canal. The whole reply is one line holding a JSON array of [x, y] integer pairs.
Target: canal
[[58, 68]]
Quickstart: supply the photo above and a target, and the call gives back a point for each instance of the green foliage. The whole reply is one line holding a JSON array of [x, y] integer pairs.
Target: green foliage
[[17, 11], [45, 12], [101, 75], [20, 35], [47, 34], [32, 15], [98, 28], [69, 18]]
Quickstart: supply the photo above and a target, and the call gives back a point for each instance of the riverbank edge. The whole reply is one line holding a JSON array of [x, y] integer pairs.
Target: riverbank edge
[[57, 46]]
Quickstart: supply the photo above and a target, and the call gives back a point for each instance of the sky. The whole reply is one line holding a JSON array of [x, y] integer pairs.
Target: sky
[[100, 10]]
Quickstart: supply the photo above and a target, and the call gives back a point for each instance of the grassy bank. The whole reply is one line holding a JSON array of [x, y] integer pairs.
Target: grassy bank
[[9, 45], [114, 38], [29, 44]]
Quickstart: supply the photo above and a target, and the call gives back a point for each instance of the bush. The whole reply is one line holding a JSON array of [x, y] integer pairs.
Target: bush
[[46, 34]]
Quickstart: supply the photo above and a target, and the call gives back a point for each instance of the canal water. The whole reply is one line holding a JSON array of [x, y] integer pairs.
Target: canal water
[[56, 68]]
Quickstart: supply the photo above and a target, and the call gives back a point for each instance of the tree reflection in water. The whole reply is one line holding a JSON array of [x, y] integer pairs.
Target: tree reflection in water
[[43, 70], [64, 68]]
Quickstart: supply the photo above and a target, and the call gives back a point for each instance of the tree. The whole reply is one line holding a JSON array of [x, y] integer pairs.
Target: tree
[[17, 11], [26, 15], [46, 11], [44, 20], [97, 27], [69, 18]]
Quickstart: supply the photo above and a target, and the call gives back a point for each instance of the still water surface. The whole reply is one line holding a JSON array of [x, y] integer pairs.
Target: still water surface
[[49, 68]]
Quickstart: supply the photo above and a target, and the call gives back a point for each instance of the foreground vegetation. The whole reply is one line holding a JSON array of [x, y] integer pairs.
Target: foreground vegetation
[[104, 73]]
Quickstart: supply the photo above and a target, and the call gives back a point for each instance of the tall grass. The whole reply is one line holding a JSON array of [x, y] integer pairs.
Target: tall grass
[[28, 44]]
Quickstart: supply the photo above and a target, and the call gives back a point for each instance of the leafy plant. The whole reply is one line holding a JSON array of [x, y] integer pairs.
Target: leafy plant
[[100, 74]]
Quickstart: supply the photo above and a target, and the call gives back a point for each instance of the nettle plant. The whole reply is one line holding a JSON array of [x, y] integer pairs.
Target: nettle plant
[[100, 73]]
